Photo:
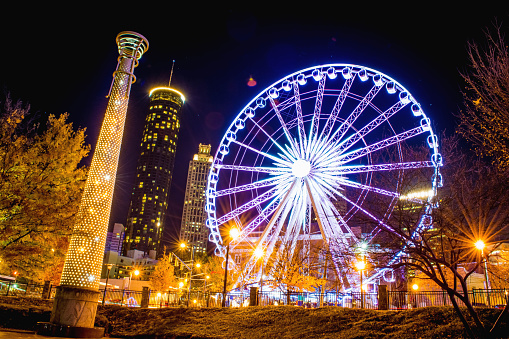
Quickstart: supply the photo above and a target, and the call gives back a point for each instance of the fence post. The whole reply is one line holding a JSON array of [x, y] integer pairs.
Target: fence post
[[383, 297], [46, 290], [253, 296], [122, 300], [145, 296], [8, 288]]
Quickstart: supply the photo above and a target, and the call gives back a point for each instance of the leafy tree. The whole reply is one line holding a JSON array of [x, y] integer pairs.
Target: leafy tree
[[213, 267], [484, 121], [41, 183], [163, 277], [294, 271]]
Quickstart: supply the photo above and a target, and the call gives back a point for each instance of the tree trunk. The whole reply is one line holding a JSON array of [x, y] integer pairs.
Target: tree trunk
[[495, 325], [461, 316]]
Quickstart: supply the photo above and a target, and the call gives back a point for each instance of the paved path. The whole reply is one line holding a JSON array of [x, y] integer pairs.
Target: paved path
[[15, 334]]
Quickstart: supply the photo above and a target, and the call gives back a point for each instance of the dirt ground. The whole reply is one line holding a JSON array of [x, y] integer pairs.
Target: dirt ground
[[255, 322]]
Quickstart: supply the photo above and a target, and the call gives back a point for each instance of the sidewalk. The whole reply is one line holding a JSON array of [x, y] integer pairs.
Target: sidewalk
[[20, 334]]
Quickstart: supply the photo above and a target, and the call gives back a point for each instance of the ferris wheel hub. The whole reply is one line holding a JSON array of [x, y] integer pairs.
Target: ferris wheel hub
[[301, 168]]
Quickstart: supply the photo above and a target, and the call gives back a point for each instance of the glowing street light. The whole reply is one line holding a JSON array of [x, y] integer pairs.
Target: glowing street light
[[415, 287], [480, 245], [234, 234], [259, 253], [361, 266]]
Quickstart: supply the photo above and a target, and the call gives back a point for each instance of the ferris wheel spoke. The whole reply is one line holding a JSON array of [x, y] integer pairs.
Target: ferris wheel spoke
[[315, 121], [300, 119], [322, 201], [320, 215], [353, 184], [284, 126], [345, 126], [247, 187], [363, 210], [381, 144], [338, 223], [271, 170], [287, 154], [267, 155], [342, 170], [337, 108], [255, 223], [275, 207], [247, 206], [296, 215], [348, 142]]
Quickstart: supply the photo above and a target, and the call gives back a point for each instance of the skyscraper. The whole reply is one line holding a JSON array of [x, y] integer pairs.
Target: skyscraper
[[149, 200], [193, 230]]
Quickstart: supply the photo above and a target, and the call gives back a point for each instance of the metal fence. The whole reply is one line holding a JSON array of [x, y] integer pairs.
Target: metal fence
[[396, 300], [495, 298], [20, 289]]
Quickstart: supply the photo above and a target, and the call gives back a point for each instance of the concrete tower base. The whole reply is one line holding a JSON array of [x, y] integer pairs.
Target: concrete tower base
[[73, 314]]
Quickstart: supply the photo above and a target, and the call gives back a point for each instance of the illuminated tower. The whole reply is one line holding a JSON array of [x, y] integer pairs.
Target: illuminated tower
[[193, 230], [149, 200], [76, 299]]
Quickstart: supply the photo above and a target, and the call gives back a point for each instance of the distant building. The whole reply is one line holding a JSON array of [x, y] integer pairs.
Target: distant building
[[193, 230], [149, 200], [115, 239]]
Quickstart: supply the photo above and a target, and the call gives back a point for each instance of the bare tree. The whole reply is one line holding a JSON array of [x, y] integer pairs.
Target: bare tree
[[484, 121], [473, 205]]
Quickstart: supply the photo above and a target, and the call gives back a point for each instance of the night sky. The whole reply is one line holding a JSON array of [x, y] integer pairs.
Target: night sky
[[62, 61]]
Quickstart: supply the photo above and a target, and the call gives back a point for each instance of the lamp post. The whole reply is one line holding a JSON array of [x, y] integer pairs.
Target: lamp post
[[259, 255], [136, 273], [234, 234], [183, 246], [109, 266], [480, 245], [361, 265]]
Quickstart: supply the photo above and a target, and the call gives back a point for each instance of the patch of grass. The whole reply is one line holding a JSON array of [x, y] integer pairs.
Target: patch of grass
[[261, 322]]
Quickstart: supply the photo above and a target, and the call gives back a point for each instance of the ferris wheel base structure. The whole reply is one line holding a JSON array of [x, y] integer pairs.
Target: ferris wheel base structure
[[321, 154]]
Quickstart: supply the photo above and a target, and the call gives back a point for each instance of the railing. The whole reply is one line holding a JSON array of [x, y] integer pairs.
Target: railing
[[396, 300], [495, 298], [13, 288]]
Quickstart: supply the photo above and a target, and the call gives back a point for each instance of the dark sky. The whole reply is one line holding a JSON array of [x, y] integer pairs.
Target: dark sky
[[62, 61]]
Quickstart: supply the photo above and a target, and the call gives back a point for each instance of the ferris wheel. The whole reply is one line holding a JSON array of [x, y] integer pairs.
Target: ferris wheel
[[319, 155]]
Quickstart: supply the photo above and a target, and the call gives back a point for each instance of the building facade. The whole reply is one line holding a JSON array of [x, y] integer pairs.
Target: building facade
[[149, 200], [193, 230], [115, 238]]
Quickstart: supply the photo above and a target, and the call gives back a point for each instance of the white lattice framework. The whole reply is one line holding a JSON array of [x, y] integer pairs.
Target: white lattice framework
[[313, 145]]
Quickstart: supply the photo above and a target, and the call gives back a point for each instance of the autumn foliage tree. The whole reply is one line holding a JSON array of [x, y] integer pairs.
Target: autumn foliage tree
[[294, 270], [163, 277], [41, 183]]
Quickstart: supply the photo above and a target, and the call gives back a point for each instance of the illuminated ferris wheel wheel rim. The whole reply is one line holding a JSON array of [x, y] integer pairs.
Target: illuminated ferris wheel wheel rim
[[299, 159]]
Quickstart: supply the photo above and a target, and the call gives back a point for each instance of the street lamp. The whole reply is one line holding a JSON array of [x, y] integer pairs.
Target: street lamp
[[480, 245], [361, 265], [234, 234], [183, 245], [258, 253], [136, 273], [109, 266]]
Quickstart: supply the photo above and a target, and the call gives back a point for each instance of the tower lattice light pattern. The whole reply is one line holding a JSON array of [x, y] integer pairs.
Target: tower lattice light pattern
[[84, 259]]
